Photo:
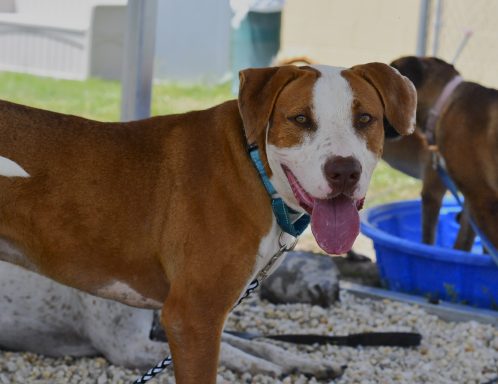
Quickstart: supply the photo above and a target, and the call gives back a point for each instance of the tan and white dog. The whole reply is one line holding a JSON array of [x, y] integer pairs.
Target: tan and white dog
[[461, 120], [170, 212]]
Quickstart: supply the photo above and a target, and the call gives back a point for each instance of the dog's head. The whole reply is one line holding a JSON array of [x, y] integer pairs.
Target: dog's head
[[320, 130], [429, 75]]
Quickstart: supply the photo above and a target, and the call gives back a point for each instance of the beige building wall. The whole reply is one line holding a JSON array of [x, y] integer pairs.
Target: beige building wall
[[479, 59], [348, 32]]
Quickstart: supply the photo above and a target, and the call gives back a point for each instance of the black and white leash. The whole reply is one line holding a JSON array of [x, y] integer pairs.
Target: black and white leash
[[253, 285], [161, 366]]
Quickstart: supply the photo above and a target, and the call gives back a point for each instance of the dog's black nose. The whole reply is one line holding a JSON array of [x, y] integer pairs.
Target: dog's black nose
[[342, 173]]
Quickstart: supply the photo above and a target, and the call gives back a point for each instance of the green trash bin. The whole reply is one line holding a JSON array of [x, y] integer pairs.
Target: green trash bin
[[255, 43]]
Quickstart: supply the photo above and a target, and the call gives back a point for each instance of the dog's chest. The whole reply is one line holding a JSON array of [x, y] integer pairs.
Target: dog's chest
[[268, 250]]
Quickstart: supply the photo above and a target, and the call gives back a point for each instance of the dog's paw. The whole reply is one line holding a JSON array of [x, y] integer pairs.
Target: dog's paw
[[321, 370], [332, 372]]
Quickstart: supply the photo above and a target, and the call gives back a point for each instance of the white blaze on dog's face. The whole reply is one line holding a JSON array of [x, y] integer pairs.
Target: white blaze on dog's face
[[333, 129], [324, 136]]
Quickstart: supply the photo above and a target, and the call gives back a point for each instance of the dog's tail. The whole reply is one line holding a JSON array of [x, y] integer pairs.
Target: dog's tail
[[297, 60]]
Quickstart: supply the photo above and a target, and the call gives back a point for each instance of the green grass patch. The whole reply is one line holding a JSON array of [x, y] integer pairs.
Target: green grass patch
[[176, 98], [100, 100], [94, 99], [389, 185]]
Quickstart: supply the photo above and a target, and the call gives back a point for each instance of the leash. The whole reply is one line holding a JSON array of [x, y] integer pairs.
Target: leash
[[367, 339], [283, 214], [151, 373], [450, 184]]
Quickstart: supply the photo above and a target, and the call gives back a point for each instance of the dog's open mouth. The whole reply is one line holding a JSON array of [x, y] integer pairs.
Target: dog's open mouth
[[335, 222]]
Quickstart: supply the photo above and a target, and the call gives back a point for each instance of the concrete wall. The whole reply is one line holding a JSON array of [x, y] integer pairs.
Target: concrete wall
[[193, 40]]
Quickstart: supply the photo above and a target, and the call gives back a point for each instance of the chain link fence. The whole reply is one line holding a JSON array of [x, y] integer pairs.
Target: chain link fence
[[471, 26]]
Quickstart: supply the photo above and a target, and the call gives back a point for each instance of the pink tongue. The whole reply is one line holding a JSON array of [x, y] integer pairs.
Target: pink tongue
[[335, 223]]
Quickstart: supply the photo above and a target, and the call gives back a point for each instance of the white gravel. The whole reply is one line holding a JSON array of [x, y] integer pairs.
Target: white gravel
[[450, 352]]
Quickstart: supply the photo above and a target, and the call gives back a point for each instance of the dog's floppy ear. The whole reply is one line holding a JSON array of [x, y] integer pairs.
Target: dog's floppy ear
[[397, 93], [258, 91]]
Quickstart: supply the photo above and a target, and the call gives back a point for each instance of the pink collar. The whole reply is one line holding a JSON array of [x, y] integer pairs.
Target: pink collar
[[435, 111]]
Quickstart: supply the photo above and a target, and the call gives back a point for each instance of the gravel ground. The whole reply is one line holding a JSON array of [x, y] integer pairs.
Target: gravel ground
[[450, 352]]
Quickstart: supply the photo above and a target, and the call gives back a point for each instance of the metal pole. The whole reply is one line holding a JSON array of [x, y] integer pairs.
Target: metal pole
[[422, 28], [437, 27], [467, 35], [139, 59]]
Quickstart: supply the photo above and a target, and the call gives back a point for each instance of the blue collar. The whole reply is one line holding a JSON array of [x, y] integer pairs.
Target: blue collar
[[281, 210]]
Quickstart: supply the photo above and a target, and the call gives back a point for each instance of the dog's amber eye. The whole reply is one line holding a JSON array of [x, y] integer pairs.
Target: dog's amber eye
[[364, 118], [301, 119]]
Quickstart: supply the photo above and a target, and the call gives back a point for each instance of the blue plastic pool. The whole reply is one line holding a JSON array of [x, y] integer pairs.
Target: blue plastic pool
[[437, 272]]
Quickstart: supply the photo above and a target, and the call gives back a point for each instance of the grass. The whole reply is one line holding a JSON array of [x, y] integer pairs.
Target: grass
[[95, 99], [390, 185], [100, 100]]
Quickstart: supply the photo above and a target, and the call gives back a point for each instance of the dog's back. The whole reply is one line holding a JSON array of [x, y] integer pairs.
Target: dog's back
[[467, 138]]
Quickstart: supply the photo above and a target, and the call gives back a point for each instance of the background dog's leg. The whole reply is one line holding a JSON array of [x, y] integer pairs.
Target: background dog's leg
[[466, 235], [127, 344], [286, 361], [238, 360], [433, 191], [483, 207]]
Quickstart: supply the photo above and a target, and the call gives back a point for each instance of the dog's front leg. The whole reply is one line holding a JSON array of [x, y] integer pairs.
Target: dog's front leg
[[483, 208], [433, 191], [193, 327], [194, 314]]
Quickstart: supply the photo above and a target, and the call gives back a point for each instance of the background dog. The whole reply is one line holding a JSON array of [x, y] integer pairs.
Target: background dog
[[42, 316], [465, 134]]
